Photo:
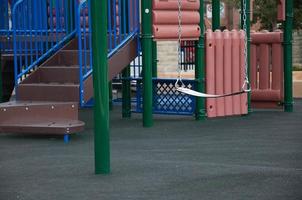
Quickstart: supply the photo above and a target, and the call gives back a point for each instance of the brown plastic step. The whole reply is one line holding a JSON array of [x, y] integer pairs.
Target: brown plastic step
[[63, 58], [40, 118], [48, 92], [59, 74]]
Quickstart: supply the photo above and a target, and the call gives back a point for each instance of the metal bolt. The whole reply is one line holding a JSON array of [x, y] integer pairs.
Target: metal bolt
[[52, 107], [26, 108]]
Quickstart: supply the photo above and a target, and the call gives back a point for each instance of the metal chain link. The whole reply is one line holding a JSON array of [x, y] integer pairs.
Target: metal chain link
[[246, 83], [179, 32]]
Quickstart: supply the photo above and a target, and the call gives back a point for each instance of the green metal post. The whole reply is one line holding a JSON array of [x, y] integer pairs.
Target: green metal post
[[126, 91], [288, 62], [200, 112], [215, 14], [146, 10], [70, 15], [154, 58], [110, 95], [100, 83]]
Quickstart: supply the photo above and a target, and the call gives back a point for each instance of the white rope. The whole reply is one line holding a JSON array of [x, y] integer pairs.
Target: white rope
[[180, 86]]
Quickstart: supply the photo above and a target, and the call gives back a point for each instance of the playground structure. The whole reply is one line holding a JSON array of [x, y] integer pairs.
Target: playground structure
[[53, 51]]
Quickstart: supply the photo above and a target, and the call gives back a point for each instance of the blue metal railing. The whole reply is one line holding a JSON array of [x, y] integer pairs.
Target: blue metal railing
[[123, 24], [6, 42], [40, 28], [166, 99]]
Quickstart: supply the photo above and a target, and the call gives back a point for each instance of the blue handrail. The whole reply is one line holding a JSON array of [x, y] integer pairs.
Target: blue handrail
[[6, 42], [40, 28], [123, 24]]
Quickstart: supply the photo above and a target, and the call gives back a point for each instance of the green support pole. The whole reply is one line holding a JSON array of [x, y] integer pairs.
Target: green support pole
[[70, 15], [146, 10], [98, 11], [154, 58], [215, 14], [200, 112], [288, 62], [126, 92], [110, 95]]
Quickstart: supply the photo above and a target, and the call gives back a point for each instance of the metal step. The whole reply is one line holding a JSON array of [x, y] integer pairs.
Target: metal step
[[40, 118], [48, 92]]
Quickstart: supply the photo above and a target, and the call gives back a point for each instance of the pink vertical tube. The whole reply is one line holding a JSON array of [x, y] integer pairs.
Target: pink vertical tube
[[253, 69], [227, 73], [243, 97], [277, 72], [281, 10], [219, 72], [236, 71], [264, 71], [210, 72]]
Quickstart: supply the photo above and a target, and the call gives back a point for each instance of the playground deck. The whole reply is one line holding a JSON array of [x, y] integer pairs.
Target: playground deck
[[254, 157]]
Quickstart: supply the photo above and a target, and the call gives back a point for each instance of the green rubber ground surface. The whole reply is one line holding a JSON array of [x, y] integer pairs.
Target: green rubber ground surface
[[258, 157]]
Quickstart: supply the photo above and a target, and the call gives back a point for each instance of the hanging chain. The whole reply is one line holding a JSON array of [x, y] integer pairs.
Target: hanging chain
[[179, 78], [246, 84]]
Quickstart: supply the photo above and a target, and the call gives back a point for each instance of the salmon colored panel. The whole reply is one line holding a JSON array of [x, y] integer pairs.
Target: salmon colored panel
[[264, 64], [277, 55], [254, 63], [267, 37], [281, 10], [236, 72], [266, 105], [227, 79], [173, 4], [266, 95], [219, 72], [171, 17], [277, 69], [170, 32], [243, 100], [210, 73]]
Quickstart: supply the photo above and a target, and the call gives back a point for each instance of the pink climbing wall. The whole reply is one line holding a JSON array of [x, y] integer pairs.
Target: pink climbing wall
[[225, 72], [165, 19], [267, 69]]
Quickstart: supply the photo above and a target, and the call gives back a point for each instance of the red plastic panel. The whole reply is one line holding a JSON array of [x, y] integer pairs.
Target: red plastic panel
[[165, 19], [227, 79], [225, 72], [264, 64], [266, 95], [254, 67], [173, 4], [267, 37], [171, 17], [277, 70], [210, 73], [281, 10], [236, 72], [170, 32], [219, 73], [267, 69]]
